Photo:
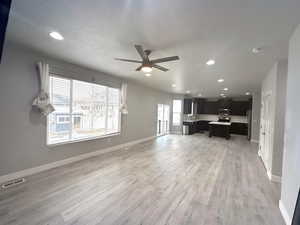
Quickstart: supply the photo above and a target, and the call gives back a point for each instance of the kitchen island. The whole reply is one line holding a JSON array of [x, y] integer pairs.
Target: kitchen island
[[220, 129]]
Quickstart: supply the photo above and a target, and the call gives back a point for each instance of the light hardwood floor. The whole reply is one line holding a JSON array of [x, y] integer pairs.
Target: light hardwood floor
[[174, 180]]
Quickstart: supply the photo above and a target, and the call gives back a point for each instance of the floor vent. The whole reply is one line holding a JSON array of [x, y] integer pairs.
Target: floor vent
[[12, 183]]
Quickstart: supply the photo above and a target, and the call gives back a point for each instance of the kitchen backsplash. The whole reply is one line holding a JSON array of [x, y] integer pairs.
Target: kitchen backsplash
[[211, 117]]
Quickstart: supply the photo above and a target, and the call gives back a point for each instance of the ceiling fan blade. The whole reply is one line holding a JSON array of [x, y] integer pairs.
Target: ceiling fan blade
[[141, 52], [139, 68], [128, 60], [167, 59], [160, 68]]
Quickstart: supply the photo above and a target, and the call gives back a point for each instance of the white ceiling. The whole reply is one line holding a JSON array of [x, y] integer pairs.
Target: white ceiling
[[97, 31]]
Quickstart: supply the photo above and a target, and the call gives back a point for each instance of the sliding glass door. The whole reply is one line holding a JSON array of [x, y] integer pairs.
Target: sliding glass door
[[163, 119]]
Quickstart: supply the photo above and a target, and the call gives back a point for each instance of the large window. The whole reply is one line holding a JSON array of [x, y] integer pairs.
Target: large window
[[177, 104], [82, 110]]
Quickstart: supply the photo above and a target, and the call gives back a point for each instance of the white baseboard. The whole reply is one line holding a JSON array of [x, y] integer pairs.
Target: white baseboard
[[273, 177], [285, 215], [255, 141], [34, 170]]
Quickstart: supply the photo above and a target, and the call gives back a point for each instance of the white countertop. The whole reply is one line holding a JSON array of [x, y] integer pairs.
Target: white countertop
[[191, 121], [220, 123], [214, 118]]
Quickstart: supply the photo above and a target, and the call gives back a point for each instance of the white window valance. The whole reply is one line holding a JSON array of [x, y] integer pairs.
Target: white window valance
[[123, 107], [42, 101]]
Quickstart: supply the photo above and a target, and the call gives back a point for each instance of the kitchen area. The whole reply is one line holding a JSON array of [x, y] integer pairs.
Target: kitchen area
[[220, 117]]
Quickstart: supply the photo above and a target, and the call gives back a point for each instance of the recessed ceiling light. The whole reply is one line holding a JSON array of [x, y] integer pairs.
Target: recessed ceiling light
[[225, 89], [210, 62], [200, 95], [188, 91], [222, 94], [256, 50], [146, 69], [56, 36], [221, 80], [173, 85], [148, 75], [247, 93]]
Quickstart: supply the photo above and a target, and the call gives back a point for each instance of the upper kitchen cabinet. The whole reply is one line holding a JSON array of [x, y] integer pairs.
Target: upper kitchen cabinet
[[225, 103], [199, 104], [211, 107], [240, 108], [187, 106]]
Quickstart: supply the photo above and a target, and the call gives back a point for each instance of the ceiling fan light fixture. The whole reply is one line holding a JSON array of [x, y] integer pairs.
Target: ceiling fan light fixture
[[146, 69], [55, 35], [210, 62], [257, 50]]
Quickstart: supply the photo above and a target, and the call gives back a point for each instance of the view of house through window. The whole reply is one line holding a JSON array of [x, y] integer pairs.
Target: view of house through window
[[176, 112], [82, 110]]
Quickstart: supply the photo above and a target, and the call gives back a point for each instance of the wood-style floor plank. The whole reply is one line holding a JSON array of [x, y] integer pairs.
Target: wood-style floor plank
[[173, 180]]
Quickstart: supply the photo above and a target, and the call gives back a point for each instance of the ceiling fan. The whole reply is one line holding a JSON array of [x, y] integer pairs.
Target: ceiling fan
[[148, 64]]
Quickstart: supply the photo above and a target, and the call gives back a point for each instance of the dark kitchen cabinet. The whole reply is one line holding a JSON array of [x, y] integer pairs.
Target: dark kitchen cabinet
[[211, 107], [200, 103], [225, 103], [240, 108], [203, 125], [239, 128], [187, 106]]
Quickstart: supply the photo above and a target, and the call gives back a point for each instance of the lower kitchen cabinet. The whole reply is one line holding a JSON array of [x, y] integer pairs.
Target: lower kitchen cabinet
[[239, 128], [203, 125]]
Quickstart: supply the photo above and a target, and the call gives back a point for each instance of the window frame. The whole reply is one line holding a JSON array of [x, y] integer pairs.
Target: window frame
[[175, 112], [48, 143]]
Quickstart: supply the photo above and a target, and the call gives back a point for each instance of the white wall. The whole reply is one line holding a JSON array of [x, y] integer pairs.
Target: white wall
[[291, 160], [23, 130], [279, 117]]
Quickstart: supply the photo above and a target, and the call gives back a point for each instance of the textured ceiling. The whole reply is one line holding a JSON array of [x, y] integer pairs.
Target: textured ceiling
[[97, 31]]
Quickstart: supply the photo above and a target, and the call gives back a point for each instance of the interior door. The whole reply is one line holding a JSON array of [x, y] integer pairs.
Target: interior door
[[265, 131]]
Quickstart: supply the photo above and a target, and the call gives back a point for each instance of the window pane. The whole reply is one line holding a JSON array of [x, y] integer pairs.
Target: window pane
[[89, 110], [59, 121], [176, 119], [113, 113], [83, 110], [177, 104]]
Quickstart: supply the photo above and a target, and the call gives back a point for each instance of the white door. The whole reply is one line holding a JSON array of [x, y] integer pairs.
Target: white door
[[265, 131]]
